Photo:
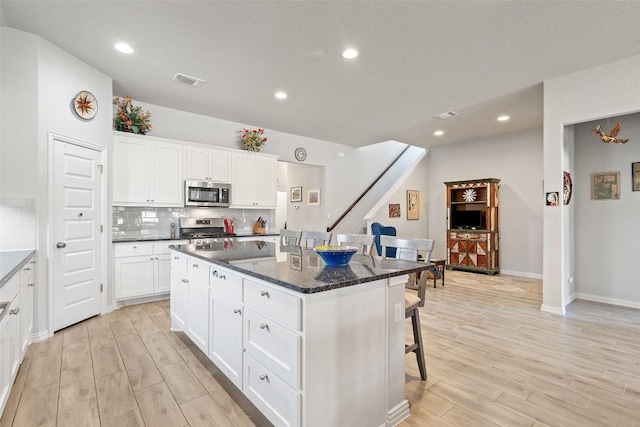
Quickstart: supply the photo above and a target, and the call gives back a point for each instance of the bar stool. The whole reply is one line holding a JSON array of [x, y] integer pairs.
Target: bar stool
[[290, 237], [412, 301], [317, 238], [363, 241]]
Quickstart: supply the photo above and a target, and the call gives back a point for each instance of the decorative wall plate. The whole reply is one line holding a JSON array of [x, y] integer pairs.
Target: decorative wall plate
[[301, 154], [470, 195], [567, 188], [85, 105]]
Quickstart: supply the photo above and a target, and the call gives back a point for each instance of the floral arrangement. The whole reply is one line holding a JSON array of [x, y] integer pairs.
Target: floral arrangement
[[128, 118], [252, 139]]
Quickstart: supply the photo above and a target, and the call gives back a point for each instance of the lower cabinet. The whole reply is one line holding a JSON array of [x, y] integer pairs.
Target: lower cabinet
[[198, 314], [225, 342], [143, 268]]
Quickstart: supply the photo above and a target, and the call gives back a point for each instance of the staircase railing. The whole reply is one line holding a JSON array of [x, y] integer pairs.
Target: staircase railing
[[364, 193]]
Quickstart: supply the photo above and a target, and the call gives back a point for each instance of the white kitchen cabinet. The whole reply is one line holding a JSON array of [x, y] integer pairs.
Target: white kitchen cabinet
[[143, 268], [147, 172], [226, 311], [10, 331], [198, 303], [179, 306], [207, 163], [27, 283], [254, 183]]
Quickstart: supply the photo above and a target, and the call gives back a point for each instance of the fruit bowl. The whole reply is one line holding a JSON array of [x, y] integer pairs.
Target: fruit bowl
[[336, 256]]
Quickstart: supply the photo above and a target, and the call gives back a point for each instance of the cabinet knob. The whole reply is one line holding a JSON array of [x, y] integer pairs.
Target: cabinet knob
[[176, 257], [15, 311], [195, 265], [214, 273], [31, 284], [237, 311], [151, 258], [264, 294], [264, 377], [223, 277], [27, 269], [264, 326]]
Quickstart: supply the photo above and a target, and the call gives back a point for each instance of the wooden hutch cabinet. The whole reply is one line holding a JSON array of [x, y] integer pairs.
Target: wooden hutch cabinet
[[472, 225]]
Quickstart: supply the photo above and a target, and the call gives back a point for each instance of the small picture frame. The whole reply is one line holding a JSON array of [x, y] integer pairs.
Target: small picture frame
[[605, 186], [413, 204], [296, 194], [295, 261], [313, 262], [313, 196], [552, 198], [394, 210], [635, 176]]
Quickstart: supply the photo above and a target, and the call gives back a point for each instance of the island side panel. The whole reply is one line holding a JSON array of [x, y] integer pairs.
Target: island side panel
[[345, 351]]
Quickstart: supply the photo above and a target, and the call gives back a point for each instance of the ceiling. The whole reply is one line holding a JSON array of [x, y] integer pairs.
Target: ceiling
[[417, 59]]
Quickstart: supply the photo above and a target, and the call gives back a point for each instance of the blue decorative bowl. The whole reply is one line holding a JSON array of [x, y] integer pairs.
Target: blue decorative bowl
[[335, 256]]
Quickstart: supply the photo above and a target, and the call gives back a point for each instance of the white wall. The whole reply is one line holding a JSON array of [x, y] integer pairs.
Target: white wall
[[18, 225], [607, 232], [605, 91], [417, 180], [301, 216], [515, 159]]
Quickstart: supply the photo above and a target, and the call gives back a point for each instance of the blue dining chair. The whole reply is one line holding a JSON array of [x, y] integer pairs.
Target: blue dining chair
[[378, 230]]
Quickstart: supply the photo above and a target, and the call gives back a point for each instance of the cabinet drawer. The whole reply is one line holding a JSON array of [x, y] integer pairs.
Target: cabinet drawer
[[198, 270], [124, 249], [278, 402], [274, 346], [10, 289], [274, 304], [226, 283], [179, 262]]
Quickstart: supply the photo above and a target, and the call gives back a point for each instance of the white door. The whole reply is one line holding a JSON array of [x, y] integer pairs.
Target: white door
[[76, 218]]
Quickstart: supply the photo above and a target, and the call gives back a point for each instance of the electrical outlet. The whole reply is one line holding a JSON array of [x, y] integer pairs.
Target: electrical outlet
[[398, 312]]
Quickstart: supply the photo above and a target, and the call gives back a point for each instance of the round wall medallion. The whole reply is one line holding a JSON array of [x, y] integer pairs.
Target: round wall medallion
[[469, 195], [85, 105], [301, 154]]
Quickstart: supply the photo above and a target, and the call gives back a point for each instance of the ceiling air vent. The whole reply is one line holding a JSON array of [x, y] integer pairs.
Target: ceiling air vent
[[188, 80], [446, 115]]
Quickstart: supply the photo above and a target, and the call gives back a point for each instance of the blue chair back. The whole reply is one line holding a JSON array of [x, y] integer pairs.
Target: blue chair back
[[378, 230]]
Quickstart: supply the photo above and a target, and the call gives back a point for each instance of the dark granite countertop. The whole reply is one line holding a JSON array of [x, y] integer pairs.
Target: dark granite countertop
[[122, 239], [301, 270], [11, 262]]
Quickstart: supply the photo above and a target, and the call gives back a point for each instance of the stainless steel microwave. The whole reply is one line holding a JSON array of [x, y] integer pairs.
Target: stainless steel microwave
[[206, 193]]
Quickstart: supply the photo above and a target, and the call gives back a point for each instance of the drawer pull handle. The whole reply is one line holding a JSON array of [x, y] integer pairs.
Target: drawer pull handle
[[151, 258], [236, 311], [264, 294], [195, 265], [185, 281], [223, 277], [176, 257], [27, 269], [264, 326], [31, 284], [15, 311], [264, 377]]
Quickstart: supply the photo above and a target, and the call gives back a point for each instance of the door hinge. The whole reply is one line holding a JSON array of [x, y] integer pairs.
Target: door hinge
[[102, 228], [101, 168], [101, 287]]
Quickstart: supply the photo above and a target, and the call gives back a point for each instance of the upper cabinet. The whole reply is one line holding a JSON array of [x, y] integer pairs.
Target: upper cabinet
[[147, 172], [254, 181], [207, 163]]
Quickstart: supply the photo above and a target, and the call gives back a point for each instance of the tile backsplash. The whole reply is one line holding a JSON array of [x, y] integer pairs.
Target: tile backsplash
[[156, 222], [17, 224]]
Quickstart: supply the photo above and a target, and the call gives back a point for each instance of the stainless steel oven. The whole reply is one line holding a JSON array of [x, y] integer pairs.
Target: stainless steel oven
[[206, 193]]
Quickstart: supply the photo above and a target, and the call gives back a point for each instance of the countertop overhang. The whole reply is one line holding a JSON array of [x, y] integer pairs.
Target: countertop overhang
[[11, 262], [133, 239], [298, 269]]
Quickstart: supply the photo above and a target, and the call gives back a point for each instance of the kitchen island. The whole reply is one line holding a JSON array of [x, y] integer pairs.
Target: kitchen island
[[309, 345]]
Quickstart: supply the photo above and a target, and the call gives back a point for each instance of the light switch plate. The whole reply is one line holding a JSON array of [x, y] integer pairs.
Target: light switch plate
[[398, 312]]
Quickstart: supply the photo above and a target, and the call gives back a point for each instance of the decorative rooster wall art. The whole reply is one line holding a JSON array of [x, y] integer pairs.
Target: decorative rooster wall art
[[612, 135]]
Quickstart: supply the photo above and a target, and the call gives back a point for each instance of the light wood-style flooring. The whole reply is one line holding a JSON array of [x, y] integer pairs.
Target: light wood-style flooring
[[492, 360]]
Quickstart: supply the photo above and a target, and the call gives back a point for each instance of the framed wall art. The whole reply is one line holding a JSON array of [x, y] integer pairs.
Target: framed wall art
[[295, 262], [635, 176], [413, 206], [605, 186], [314, 197], [296, 194], [394, 210]]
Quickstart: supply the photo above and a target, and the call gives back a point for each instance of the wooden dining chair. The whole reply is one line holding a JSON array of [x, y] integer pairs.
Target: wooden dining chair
[[311, 239], [408, 249], [290, 237], [363, 241]]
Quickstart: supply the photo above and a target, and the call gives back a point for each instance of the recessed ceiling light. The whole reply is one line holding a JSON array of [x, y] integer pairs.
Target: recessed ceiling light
[[503, 118], [281, 95], [123, 47], [350, 54], [439, 133]]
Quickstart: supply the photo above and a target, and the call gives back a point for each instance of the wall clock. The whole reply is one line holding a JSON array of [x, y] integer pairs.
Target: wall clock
[[301, 154], [469, 195], [85, 105]]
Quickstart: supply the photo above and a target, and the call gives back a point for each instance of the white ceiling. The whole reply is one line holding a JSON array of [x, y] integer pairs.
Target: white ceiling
[[480, 59]]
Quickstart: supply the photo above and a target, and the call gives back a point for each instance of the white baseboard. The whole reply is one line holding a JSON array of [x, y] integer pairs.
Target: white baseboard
[[40, 336], [552, 309], [141, 300], [397, 414], [607, 300], [521, 274]]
